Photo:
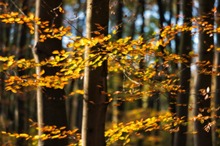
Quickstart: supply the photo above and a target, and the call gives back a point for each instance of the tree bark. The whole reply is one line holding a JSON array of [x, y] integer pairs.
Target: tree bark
[[38, 90], [180, 138], [22, 99], [203, 81], [95, 83], [117, 111], [54, 111]]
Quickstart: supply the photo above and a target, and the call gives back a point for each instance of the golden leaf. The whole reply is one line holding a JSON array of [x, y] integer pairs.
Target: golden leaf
[[55, 52]]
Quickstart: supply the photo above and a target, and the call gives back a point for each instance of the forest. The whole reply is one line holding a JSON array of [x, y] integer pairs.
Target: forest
[[109, 72]]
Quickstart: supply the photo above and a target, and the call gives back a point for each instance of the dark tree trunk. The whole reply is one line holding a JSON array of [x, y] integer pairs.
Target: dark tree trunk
[[119, 84], [133, 18], [142, 62], [185, 75], [177, 38], [161, 13], [95, 82], [54, 111], [142, 10], [203, 81], [22, 100], [119, 19]]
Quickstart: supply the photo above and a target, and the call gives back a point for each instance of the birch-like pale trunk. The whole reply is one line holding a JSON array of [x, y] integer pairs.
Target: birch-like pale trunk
[[38, 70]]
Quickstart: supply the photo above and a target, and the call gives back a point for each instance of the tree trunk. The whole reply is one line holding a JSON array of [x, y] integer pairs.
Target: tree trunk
[[203, 81], [54, 111], [142, 10], [22, 100], [38, 90], [117, 111], [180, 138], [141, 4], [95, 83]]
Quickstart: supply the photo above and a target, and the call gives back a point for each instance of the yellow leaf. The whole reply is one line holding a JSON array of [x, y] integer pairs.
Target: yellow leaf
[[47, 30], [13, 14], [79, 91], [42, 72], [3, 58], [56, 52], [31, 16], [64, 127], [97, 32], [13, 90], [114, 32], [23, 135], [136, 57], [36, 137], [61, 10], [56, 136]]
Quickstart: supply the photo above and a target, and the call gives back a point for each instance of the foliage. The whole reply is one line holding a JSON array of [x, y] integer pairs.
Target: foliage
[[50, 132], [123, 55], [123, 131]]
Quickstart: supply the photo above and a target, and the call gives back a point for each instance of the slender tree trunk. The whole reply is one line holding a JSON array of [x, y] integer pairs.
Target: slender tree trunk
[[119, 19], [95, 83], [22, 100], [2, 76], [133, 18], [155, 98], [161, 13], [142, 62], [38, 90], [142, 10], [180, 138], [203, 82], [171, 12], [118, 110], [177, 38]]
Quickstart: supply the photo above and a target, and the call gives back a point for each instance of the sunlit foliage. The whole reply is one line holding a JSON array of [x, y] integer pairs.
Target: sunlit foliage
[[50, 132], [123, 55]]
